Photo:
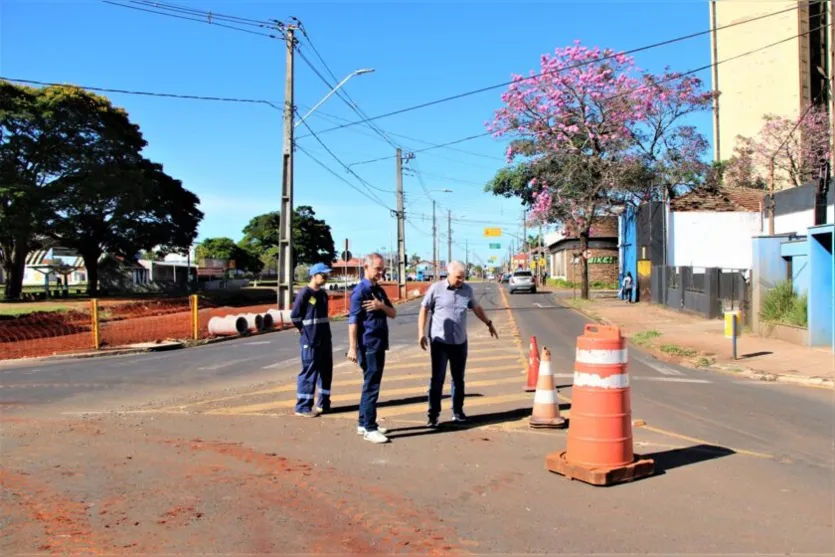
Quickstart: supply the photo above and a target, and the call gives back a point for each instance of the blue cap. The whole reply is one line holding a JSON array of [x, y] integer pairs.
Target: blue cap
[[319, 268]]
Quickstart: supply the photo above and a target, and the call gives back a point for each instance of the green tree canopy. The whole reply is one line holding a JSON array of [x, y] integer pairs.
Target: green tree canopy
[[312, 238]]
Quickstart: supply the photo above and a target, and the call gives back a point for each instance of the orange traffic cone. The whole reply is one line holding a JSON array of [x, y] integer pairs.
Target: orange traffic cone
[[546, 409], [533, 366], [599, 449]]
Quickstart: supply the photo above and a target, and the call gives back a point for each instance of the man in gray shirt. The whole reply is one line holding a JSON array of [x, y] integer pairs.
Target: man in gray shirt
[[449, 301]]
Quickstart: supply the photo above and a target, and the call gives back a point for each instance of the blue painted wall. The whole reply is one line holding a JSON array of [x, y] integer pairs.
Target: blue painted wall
[[798, 252], [822, 285], [628, 234], [768, 267]]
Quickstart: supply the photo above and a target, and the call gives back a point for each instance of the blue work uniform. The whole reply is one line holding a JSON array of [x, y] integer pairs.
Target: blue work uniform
[[310, 317], [372, 343]]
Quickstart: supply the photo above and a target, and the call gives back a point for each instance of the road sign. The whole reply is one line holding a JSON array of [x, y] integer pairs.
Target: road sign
[[495, 246], [346, 255], [587, 253], [492, 232]]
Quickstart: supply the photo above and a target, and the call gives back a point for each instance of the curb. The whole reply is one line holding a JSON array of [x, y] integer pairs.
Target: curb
[[748, 373]]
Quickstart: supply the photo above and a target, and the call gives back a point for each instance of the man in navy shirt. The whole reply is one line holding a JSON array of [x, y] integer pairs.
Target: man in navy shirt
[[368, 336], [310, 317]]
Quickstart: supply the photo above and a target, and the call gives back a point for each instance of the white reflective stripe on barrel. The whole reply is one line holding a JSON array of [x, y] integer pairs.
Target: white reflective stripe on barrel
[[604, 357], [618, 381]]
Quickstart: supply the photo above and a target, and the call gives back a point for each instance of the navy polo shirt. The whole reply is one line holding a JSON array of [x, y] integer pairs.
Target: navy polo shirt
[[310, 316], [372, 327]]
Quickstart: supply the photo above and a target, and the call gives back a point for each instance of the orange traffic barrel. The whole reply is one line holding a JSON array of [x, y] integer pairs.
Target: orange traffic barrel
[[599, 448]]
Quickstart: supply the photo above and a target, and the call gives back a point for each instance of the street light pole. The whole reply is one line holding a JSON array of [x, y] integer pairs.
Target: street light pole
[[334, 90]]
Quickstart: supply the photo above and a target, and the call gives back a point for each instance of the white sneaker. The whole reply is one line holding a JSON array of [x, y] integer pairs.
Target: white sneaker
[[375, 437], [362, 431]]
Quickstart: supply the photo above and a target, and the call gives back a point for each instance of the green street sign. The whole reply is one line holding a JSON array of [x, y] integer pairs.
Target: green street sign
[[495, 246]]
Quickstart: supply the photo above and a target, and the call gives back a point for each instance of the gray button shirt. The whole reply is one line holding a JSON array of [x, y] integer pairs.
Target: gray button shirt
[[449, 308]]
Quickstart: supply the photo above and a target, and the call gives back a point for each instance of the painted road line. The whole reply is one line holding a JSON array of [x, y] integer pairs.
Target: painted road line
[[255, 343], [355, 397], [648, 378], [658, 367], [427, 363], [228, 364], [291, 387], [675, 435], [480, 351], [285, 363]]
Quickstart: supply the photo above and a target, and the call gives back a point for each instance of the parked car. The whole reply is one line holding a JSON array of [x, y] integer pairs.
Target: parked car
[[522, 280]]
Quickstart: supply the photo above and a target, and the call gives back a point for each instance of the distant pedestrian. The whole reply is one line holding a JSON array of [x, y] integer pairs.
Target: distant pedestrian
[[368, 337], [449, 301], [310, 317], [627, 287]]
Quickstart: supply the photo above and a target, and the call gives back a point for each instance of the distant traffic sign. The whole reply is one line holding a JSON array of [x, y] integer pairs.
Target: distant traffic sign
[[492, 232], [346, 255], [495, 246]]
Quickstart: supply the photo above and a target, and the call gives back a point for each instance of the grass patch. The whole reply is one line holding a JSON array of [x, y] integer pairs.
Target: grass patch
[[782, 305], [676, 350], [644, 338], [15, 310], [704, 362]]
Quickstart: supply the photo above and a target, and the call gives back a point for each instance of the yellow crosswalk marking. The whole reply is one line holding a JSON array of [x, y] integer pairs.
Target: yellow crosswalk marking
[[354, 397], [291, 387], [426, 363]]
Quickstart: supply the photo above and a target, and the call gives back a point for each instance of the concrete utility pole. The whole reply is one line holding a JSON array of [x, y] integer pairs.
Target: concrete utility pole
[[401, 229], [285, 234], [541, 266], [467, 255], [525, 237], [434, 244], [449, 236]]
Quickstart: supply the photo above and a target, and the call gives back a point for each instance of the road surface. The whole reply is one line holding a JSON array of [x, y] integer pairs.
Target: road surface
[[198, 450]]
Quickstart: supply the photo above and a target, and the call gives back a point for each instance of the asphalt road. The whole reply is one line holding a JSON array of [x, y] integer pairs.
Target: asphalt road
[[207, 456]]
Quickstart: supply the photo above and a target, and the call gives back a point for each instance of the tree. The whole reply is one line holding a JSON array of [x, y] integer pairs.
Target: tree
[[46, 135], [226, 249], [797, 146], [593, 135], [312, 238], [120, 204]]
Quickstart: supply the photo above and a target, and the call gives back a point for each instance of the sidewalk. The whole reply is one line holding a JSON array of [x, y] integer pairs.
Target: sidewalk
[[696, 342]]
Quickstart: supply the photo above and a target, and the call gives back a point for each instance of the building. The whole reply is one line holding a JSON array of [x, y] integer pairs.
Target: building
[[782, 79], [603, 254]]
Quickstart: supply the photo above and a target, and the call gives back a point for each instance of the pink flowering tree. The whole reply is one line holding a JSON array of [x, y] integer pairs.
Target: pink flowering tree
[[590, 133], [797, 145]]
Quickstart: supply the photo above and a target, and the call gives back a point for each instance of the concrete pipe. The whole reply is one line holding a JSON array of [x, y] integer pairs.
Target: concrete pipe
[[254, 321], [268, 321], [228, 325], [281, 318]]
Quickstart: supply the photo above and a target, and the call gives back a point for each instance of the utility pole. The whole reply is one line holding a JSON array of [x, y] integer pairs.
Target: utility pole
[[449, 236], [401, 229], [285, 234], [467, 255], [525, 237], [541, 266], [434, 244]]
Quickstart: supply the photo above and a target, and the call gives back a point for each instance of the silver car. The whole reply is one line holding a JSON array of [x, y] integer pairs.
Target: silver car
[[522, 280]]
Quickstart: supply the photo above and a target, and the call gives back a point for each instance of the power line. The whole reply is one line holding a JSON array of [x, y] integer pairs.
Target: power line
[[206, 20], [213, 15], [357, 176], [145, 93], [571, 67], [352, 186]]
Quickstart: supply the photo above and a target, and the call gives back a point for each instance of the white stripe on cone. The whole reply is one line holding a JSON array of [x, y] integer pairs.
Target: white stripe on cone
[[619, 381], [546, 396], [604, 357]]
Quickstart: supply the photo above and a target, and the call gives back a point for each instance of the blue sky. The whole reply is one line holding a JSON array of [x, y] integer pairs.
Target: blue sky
[[229, 154]]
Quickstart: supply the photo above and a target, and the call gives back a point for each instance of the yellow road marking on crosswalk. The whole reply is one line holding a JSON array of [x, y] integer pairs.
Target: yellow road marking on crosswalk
[[701, 441], [493, 350], [291, 387], [427, 363], [354, 397]]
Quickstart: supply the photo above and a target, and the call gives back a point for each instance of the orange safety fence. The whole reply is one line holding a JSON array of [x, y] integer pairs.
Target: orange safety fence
[[108, 324]]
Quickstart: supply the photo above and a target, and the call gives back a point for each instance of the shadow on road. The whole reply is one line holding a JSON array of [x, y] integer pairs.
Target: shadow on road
[[675, 458], [755, 354], [393, 402], [476, 420]]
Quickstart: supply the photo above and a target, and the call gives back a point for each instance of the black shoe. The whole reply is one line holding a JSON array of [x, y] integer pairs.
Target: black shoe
[[432, 423], [460, 418]]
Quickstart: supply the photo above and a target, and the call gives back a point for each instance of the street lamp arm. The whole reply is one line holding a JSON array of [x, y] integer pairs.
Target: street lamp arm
[[332, 91]]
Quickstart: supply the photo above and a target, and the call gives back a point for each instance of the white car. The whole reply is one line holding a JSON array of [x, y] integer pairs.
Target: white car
[[522, 280]]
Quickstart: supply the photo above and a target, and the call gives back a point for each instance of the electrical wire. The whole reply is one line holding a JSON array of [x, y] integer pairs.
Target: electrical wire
[[570, 67], [333, 172]]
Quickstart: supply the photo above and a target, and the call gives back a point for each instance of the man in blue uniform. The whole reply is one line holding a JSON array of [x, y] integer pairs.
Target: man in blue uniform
[[368, 336], [310, 316]]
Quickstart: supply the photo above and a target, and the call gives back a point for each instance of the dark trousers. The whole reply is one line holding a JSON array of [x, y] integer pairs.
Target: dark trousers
[[372, 364], [456, 355], [317, 370]]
